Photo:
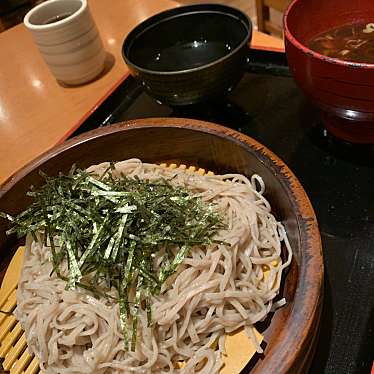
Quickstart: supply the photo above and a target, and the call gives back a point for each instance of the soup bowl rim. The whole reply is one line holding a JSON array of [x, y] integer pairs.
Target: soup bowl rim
[[169, 14], [296, 43]]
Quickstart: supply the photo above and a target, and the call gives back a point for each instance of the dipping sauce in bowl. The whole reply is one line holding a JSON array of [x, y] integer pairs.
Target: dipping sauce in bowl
[[189, 54], [187, 40]]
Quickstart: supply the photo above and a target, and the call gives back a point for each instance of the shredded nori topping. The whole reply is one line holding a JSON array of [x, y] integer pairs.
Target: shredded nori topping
[[110, 229]]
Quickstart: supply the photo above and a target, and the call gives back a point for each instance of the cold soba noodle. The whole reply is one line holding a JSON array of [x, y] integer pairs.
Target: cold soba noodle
[[353, 42], [216, 290]]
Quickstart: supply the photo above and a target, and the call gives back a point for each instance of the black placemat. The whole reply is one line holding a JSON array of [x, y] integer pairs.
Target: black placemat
[[338, 178]]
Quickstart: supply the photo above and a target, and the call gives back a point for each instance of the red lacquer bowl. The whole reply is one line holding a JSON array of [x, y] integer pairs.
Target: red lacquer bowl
[[343, 91]]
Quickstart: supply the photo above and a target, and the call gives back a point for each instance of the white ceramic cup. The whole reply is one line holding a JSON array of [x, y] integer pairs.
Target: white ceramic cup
[[68, 40]]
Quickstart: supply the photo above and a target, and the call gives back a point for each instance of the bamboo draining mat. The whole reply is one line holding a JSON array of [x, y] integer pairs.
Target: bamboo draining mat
[[13, 348]]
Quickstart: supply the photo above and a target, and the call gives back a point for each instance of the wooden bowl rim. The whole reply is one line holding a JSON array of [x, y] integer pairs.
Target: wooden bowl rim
[[288, 346]]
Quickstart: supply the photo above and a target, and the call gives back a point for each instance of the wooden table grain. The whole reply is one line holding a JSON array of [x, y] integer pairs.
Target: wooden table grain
[[37, 113]]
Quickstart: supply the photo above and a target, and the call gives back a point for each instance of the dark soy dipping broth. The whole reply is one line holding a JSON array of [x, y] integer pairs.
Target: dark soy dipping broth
[[188, 55], [187, 42], [352, 42]]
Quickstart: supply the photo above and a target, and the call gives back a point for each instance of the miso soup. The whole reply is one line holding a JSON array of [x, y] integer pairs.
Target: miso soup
[[352, 42]]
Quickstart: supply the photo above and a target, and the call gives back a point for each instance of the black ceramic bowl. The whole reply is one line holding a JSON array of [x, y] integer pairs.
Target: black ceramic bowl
[[189, 54]]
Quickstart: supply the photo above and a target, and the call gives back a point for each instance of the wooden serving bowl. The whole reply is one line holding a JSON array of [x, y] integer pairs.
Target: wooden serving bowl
[[291, 332]]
